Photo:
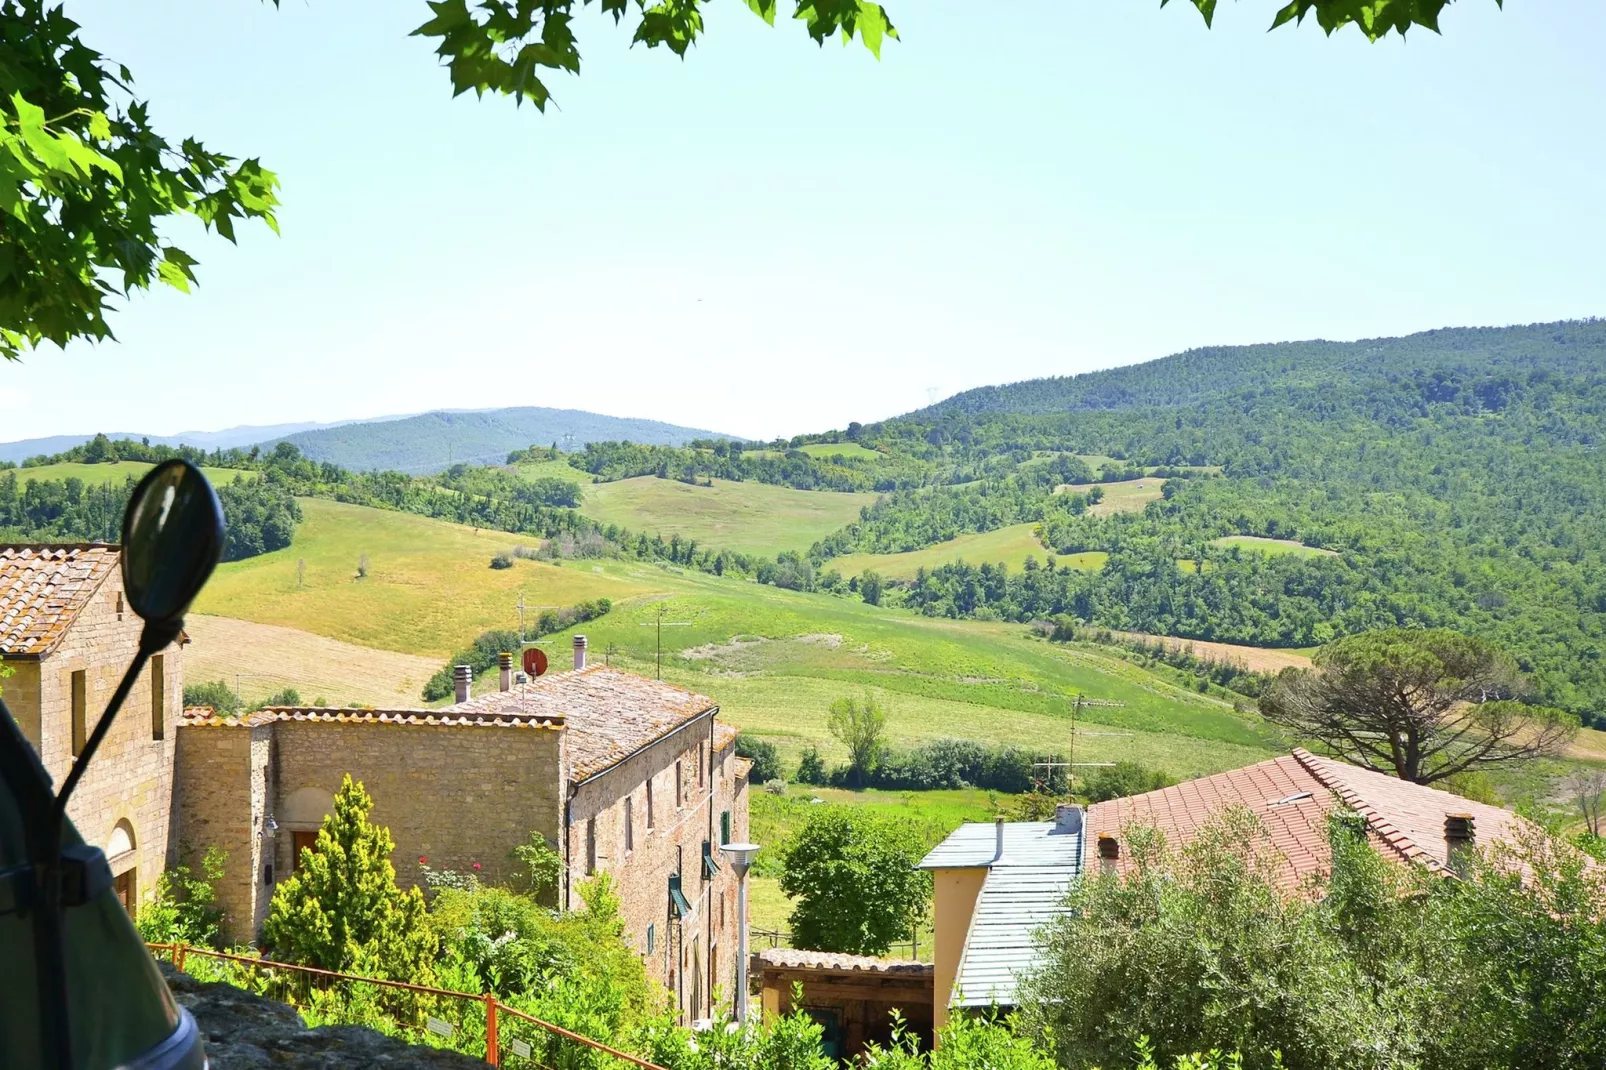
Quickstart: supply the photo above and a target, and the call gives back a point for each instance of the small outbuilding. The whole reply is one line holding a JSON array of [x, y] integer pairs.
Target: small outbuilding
[[853, 997]]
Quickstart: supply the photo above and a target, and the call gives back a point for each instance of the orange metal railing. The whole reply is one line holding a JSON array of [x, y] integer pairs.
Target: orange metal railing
[[289, 983]]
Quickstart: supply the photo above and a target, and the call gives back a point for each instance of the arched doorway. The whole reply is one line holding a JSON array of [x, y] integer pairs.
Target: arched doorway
[[302, 816], [124, 864]]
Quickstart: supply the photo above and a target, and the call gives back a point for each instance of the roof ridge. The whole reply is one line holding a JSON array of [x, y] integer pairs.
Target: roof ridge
[[1393, 837]]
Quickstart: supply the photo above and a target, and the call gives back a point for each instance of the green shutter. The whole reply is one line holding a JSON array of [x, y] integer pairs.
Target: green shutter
[[724, 828]]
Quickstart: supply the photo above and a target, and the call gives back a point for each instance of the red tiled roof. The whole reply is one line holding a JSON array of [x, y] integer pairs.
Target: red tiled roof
[[724, 735], [206, 716], [1293, 796], [42, 591], [786, 958], [610, 714]]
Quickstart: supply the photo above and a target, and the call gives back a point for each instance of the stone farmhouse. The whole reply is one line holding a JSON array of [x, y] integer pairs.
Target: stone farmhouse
[[620, 774], [66, 636]]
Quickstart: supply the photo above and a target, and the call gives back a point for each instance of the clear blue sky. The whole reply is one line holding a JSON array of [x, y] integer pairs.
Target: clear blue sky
[[772, 238]]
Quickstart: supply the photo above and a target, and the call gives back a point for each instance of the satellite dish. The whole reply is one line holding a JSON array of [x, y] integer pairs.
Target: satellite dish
[[535, 661]]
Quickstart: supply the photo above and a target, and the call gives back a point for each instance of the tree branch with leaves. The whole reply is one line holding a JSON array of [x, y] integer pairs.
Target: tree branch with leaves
[[1421, 705]]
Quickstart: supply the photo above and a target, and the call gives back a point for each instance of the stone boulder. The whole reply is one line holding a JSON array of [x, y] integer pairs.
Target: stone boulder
[[247, 1032]]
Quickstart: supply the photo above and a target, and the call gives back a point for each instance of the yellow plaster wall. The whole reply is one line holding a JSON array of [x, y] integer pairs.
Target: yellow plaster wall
[[956, 891]]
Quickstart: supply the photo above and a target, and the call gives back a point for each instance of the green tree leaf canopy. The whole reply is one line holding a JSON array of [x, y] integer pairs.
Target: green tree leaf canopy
[[341, 909]]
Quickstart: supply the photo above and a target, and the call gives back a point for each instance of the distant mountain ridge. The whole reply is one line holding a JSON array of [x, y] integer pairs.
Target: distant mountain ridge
[[229, 437], [1214, 372], [433, 441]]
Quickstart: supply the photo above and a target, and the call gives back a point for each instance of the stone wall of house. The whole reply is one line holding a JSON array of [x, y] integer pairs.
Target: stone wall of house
[[130, 782], [213, 806], [455, 795], [691, 956]]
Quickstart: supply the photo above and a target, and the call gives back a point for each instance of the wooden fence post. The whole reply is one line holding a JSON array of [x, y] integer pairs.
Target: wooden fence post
[[492, 1054], [178, 957]]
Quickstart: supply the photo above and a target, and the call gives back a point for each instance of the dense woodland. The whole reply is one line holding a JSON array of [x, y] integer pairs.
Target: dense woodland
[[1456, 474]]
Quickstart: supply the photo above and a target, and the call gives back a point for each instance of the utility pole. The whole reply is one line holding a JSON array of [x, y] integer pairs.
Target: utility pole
[[520, 608], [663, 607]]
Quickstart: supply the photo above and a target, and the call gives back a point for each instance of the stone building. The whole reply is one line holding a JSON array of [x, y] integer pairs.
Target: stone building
[[622, 775], [66, 637]]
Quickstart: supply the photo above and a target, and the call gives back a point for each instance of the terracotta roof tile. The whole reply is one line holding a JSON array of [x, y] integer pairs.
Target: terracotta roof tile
[[42, 591], [610, 714], [1293, 796], [206, 716], [786, 958]]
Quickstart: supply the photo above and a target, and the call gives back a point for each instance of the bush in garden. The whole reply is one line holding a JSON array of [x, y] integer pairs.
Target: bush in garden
[[184, 909], [341, 909]]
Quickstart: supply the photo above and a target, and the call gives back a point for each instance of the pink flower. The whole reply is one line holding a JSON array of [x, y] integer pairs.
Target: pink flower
[[476, 865]]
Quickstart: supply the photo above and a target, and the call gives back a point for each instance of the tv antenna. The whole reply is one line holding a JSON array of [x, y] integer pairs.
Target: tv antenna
[[1071, 765], [661, 624], [520, 608]]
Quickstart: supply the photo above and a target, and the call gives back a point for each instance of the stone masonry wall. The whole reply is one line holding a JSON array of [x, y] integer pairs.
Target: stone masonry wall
[[704, 942], [213, 808], [131, 778], [453, 794]]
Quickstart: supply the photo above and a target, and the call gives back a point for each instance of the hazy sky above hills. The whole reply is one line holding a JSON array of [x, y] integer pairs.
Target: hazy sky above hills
[[771, 238]]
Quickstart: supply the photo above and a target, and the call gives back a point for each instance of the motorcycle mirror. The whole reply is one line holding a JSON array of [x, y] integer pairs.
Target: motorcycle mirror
[[172, 539]]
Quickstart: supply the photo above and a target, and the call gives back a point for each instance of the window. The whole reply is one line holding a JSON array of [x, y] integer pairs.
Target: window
[[710, 864], [680, 791], [724, 827], [679, 906], [630, 825], [591, 845], [652, 938], [158, 698], [80, 704], [649, 803], [699, 765], [119, 605]]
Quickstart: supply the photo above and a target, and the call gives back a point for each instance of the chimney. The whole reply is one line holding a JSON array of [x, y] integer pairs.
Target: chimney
[[504, 662], [579, 652], [463, 678], [1109, 853], [1459, 838], [998, 852], [1068, 818]]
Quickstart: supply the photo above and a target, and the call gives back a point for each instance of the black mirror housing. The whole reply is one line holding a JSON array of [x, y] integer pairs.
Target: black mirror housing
[[172, 540]]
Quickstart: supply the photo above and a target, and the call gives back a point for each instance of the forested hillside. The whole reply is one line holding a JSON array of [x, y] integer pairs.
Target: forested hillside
[[1455, 474]]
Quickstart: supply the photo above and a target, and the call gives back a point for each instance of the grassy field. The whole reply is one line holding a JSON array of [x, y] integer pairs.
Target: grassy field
[[1271, 547], [747, 517], [269, 658], [851, 450], [773, 659], [774, 818], [1130, 496], [1011, 545], [552, 470], [429, 588], [116, 472]]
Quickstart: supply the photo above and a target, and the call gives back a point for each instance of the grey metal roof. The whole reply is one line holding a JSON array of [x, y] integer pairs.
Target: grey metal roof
[[1000, 948], [1026, 843]]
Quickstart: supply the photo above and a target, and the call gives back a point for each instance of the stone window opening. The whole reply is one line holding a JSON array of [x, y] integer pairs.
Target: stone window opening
[[652, 938], [80, 707], [680, 790], [650, 820], [700, 781], [630, 825], [158, 697], [591, 845], [119, 605]]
